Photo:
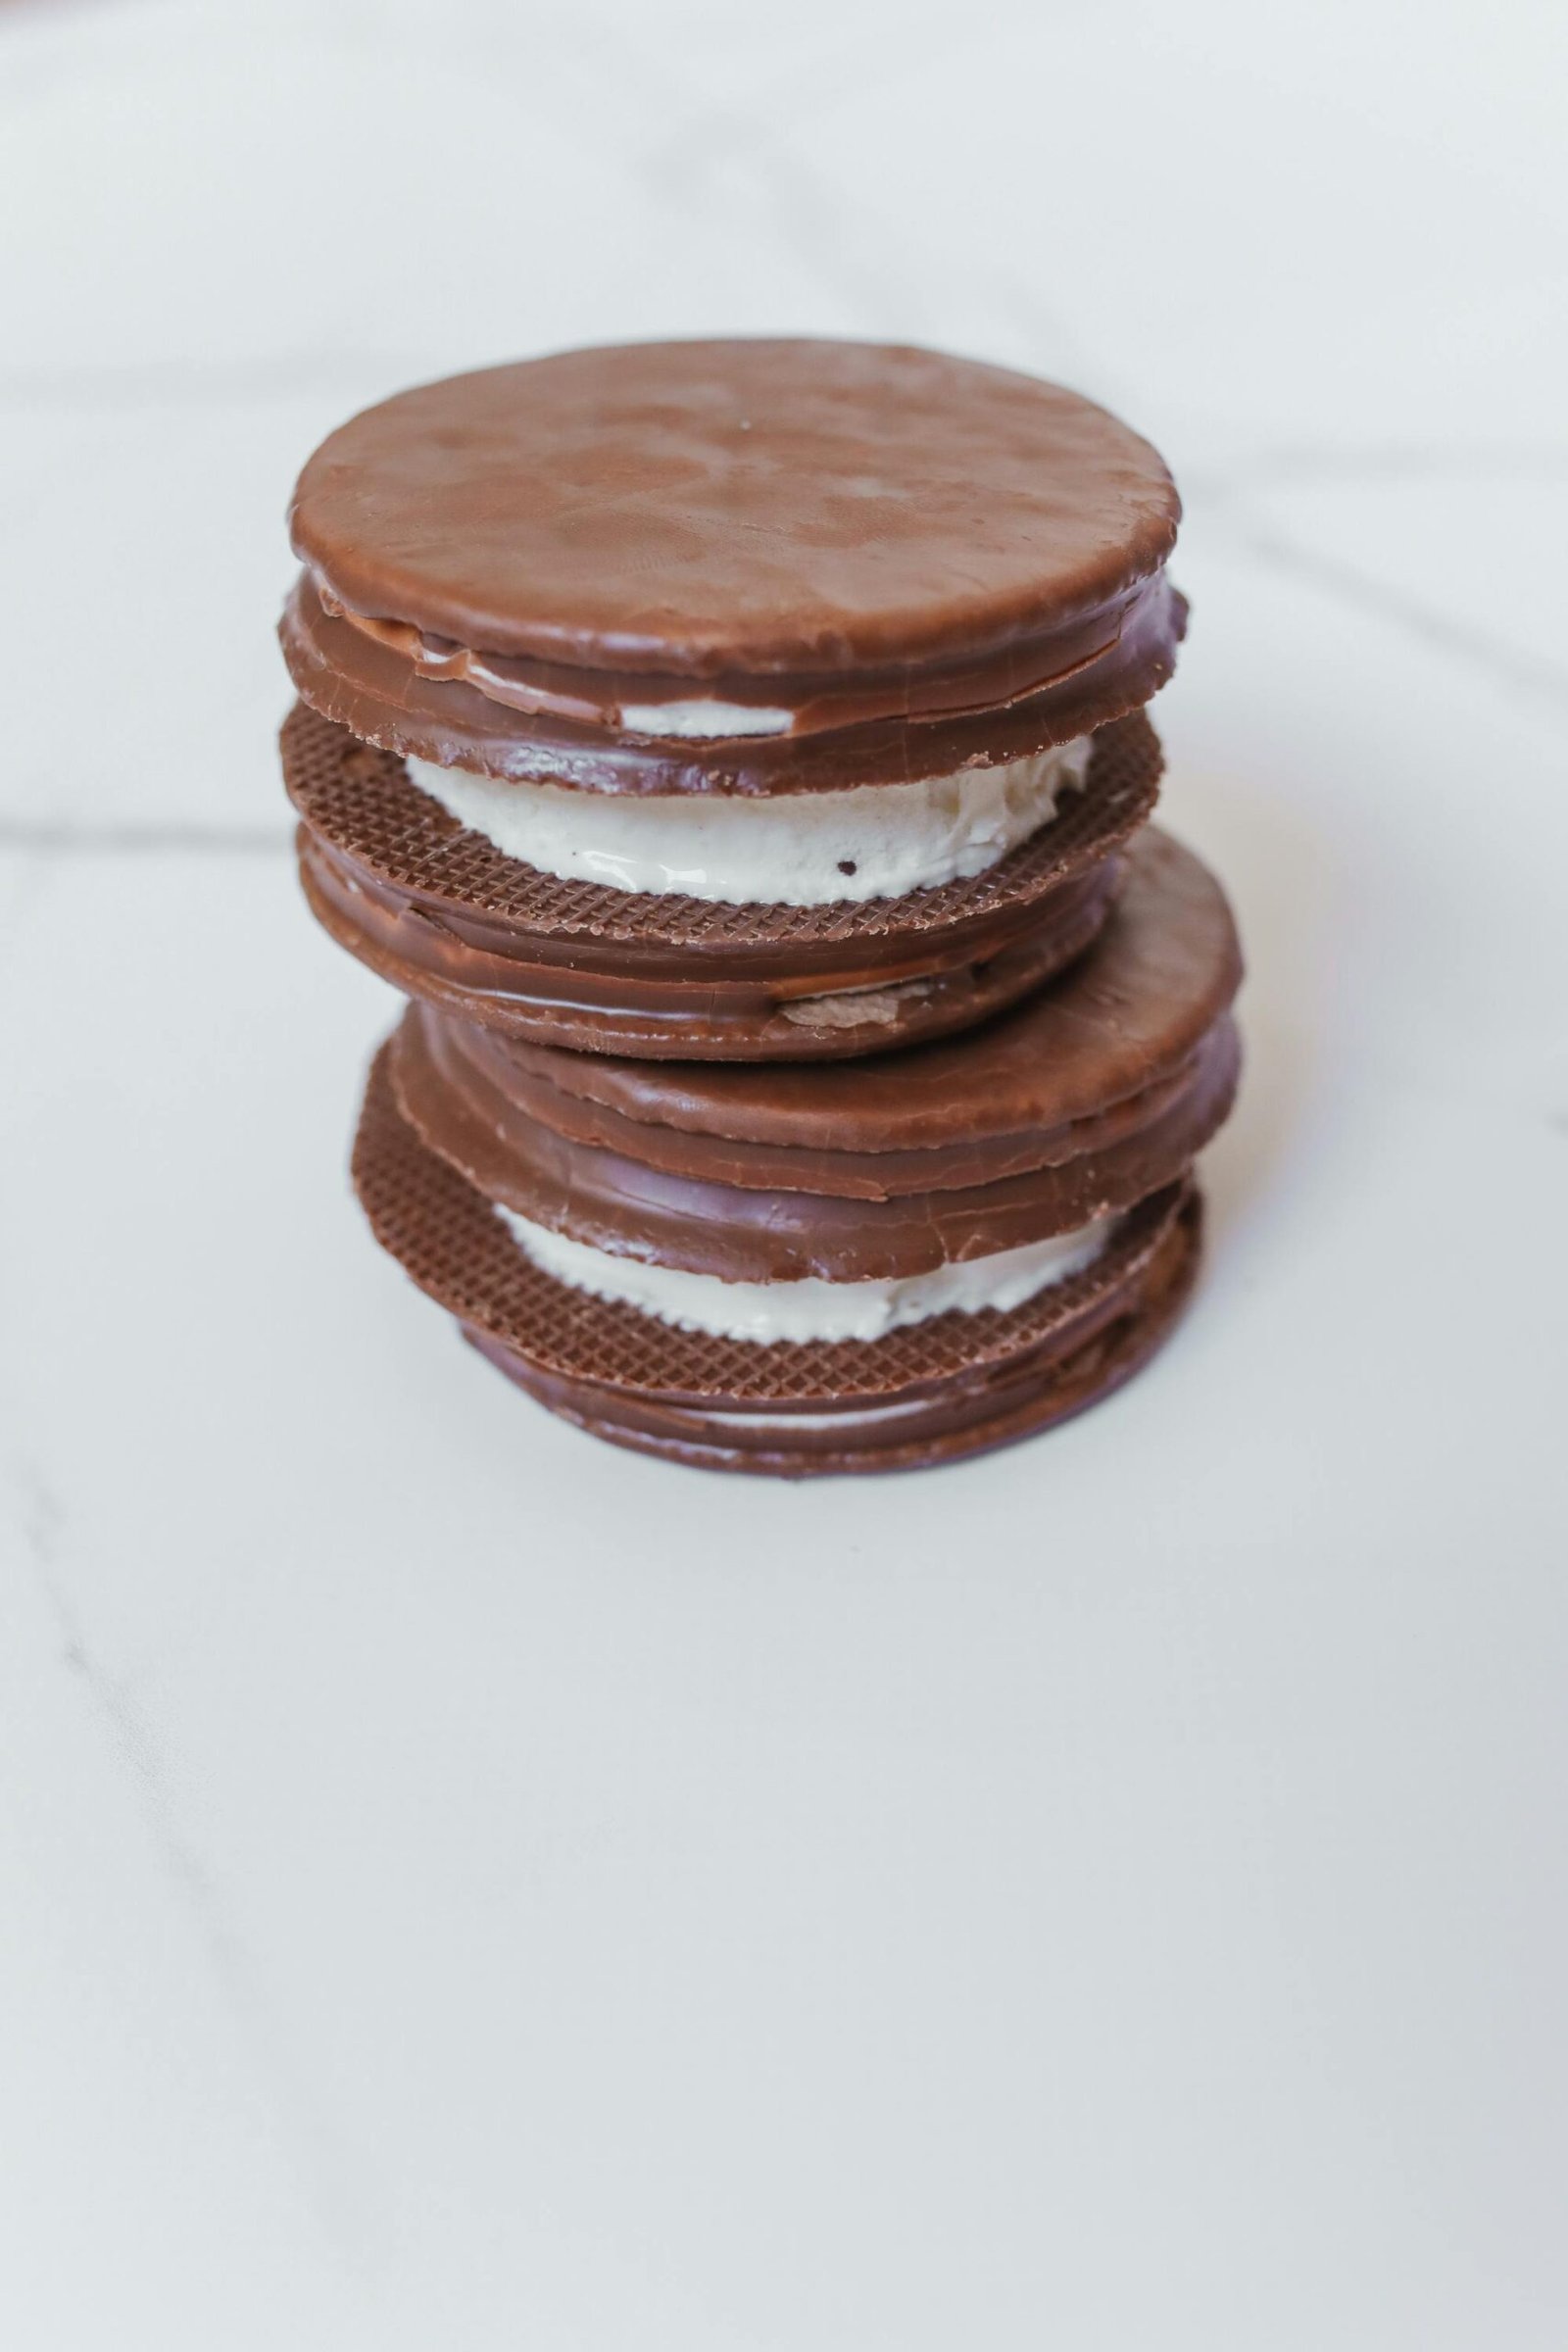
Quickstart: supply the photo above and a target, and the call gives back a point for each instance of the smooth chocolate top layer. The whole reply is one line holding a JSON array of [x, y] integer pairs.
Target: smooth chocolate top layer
[[896, 555], [710, 506]]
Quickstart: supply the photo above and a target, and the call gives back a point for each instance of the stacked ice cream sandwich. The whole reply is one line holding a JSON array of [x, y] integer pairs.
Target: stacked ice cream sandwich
[[737, 753]]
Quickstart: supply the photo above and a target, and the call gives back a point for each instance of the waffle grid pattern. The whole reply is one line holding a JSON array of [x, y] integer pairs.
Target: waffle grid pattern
[[451, 1242], [362, 803]]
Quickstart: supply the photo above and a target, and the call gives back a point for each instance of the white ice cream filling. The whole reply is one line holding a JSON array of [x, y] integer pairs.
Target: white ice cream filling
[[795, 848], [700, 720], [811, 1308]]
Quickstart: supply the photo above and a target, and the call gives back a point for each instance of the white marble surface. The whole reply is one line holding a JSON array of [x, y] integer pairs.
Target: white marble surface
[[465, 1887]]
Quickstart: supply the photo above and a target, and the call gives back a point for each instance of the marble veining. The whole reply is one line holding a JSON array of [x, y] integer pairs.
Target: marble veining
[[465, 1888]]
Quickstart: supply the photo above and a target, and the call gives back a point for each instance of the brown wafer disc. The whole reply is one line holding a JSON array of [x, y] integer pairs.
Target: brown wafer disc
[[445, 915], [955, 1385]]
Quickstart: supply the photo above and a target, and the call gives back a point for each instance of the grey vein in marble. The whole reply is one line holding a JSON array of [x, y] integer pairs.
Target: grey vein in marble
[[334, 2189], [1494, 657]]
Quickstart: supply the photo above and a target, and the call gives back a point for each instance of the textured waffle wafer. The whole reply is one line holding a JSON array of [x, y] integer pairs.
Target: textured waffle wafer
[[442, 914], [970, 1416], [361, 802], [965, 1380]]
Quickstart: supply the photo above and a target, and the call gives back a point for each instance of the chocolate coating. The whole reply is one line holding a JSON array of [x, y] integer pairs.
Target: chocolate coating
[[739, 1233], [890, 544], [1093, 1095], [442, 914], [1092, 1354], [702, 507], [1135, 1007], [957, 1385], [866, 734]]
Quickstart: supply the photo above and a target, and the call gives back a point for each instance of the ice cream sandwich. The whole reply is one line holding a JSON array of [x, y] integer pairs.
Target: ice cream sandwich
[[828, 1266], [763, 701]]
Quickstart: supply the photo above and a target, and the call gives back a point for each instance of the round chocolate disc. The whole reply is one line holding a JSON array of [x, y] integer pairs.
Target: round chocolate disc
[[774, 508], [539, 568]]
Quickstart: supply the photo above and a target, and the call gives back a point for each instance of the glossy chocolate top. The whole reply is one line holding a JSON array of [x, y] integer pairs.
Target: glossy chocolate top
[[767, 508]]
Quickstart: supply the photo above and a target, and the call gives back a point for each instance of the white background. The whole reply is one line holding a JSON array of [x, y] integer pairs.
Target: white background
[[466, 1888]]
